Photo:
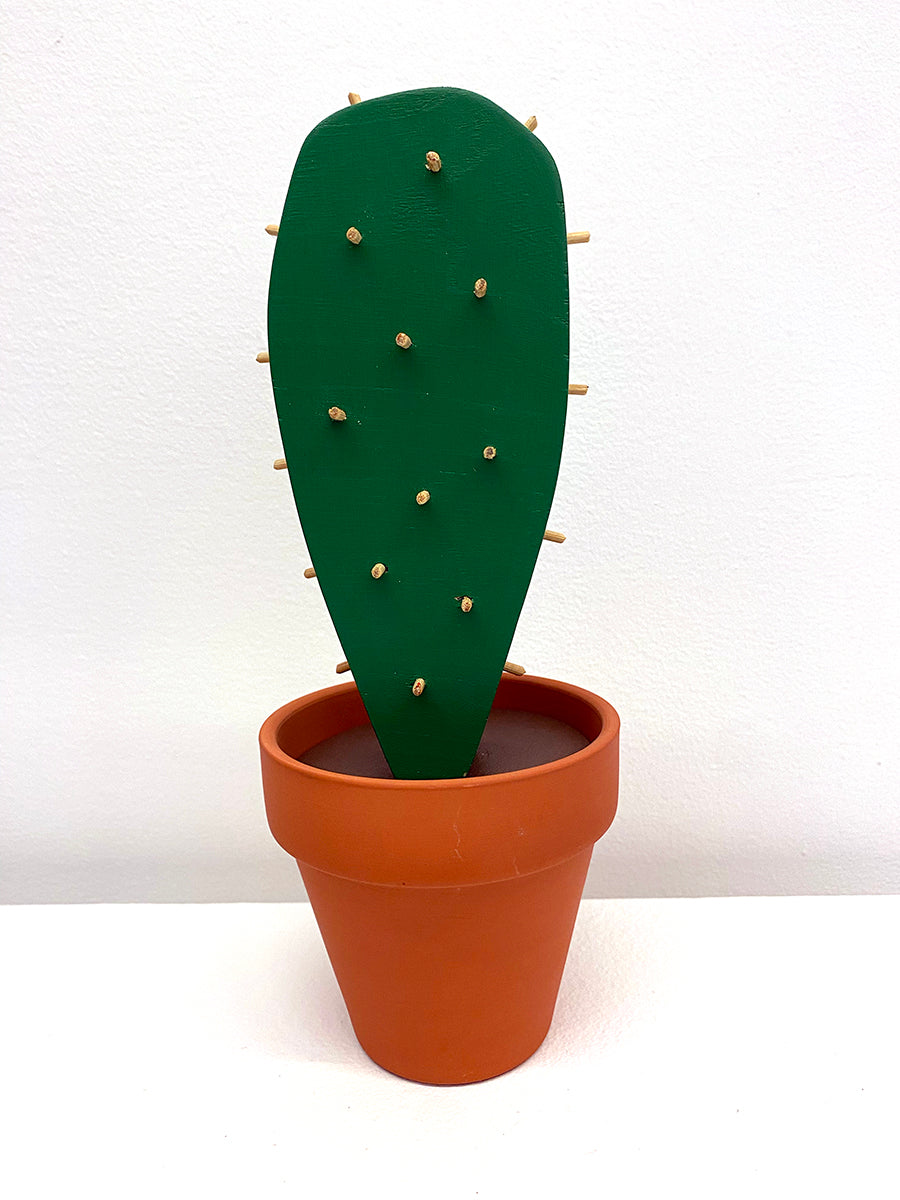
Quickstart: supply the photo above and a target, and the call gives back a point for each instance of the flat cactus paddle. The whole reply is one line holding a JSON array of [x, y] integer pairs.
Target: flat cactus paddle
[[418, 342]]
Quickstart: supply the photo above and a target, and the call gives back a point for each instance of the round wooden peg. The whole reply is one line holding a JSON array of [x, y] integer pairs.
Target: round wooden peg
[[433, 161], [418, 687], [480, 288], [490, 453], [353, 235], [423, 497], [403, 340], [337, 414], [378, 570]]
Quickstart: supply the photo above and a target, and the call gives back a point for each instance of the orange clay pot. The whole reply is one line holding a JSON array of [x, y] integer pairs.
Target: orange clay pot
[[446, 906]]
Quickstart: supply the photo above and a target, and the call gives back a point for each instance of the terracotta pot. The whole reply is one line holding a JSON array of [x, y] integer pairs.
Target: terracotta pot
[[446, 906]]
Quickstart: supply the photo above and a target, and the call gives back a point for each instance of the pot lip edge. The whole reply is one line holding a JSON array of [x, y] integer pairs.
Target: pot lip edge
[[271, 727], [453, 885]]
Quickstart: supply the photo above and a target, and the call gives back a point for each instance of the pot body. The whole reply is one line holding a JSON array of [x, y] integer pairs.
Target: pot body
[[446, 906]]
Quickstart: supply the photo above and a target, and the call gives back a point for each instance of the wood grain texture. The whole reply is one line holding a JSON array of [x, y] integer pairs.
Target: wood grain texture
[[480, 371]]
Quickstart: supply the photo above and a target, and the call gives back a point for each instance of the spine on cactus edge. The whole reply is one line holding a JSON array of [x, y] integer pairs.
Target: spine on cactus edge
[[418, 342]]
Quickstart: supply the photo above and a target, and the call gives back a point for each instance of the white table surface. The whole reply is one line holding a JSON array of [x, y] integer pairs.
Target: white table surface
[[722, 1048]]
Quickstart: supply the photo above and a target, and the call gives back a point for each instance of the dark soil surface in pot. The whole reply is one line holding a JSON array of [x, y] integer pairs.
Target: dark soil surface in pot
[[513, 740]]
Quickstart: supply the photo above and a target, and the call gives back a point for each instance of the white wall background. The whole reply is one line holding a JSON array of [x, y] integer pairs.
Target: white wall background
[[729, 487]]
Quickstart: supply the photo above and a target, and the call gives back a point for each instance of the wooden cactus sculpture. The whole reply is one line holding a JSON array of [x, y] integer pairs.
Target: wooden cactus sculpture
[[418, 342]]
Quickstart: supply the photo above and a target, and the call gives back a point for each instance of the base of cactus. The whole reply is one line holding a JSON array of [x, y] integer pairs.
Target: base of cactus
[[446, 906]]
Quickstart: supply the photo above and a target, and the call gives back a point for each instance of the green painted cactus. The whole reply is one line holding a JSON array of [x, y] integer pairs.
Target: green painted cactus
[[422, 414]]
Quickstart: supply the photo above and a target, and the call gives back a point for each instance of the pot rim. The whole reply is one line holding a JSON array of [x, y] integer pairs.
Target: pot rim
[[609, 720]]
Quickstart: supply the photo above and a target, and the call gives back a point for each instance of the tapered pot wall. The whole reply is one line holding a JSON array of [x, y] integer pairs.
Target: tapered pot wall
[[446, 906], [480, 967]]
